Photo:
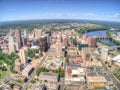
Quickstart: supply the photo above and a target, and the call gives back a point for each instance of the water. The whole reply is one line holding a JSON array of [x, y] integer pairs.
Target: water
[[101, 33]]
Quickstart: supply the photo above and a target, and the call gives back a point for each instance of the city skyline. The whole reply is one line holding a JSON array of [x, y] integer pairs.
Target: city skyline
[[108, 10]]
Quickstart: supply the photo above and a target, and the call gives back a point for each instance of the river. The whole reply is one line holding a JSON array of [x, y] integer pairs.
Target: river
[[101, 33]]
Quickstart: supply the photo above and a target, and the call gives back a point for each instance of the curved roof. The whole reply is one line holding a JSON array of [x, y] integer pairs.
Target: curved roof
[[116, 58]]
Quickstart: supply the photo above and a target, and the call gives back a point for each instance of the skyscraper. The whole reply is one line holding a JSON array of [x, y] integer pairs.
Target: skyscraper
[[48, 39], [11, 44], [18, 37], [37, 33], [26, 33], [24, 41], [23, 56], [43, 43], [17, 46]]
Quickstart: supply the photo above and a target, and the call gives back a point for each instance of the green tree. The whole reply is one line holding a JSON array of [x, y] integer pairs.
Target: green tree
[[32, 81], [41, 69], [60, 72], [11, 85], [67, 58], [31, 53]]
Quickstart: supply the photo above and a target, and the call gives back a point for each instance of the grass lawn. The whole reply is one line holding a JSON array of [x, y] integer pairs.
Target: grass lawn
[[2, 74], [117, 74]]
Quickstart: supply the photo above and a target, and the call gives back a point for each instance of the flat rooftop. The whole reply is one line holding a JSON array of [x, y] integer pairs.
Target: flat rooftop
[[48, 75], [78, 79], [96, 79], [27, 69], [78, 71], [93, 63]]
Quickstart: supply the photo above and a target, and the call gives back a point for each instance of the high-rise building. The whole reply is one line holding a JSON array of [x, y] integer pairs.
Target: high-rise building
[[92, 41], [43, 43], [18, 37], [17, 46], [24, 41], [18, 67], [48, 39], [23, 55], [11, 44], [26, 33], [104, 53], [37, 33], [86, 54]]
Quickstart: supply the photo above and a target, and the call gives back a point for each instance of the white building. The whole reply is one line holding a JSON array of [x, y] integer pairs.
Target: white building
[[116, 60], [11, 44], [104, 53]]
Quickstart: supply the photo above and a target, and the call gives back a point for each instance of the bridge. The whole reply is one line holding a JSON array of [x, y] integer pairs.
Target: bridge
[[115, 46], [102, 37]]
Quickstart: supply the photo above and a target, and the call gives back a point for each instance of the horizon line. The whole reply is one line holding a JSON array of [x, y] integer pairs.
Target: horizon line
[[58, 19]]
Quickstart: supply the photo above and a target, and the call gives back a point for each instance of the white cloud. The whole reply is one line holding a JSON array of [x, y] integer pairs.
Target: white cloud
[[87, 16], [116, 15]]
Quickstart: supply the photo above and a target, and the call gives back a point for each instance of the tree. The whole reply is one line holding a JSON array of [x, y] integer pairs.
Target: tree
[[12, 69], [11, 85], [67, 58], [31, 53], [3, 68], [41, 69], [32, 81], [60, 72], [106, 62], [9, 59]]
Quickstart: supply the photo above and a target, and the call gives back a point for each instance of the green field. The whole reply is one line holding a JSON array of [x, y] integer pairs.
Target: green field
[[2, 74]]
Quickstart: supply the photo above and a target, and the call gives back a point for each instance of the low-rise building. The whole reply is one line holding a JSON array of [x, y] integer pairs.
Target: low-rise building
[[50, 80], [78, 76], [19, 78], [27, 70], [17, 87], [40, 87], [50, 77], [116, 60], [75, 75], [96, 82]]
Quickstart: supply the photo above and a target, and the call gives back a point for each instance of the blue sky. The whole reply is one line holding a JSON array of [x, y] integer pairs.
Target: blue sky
[[60, 9]]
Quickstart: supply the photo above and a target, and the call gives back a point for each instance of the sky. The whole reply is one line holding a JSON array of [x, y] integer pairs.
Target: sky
[[108, 10]]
